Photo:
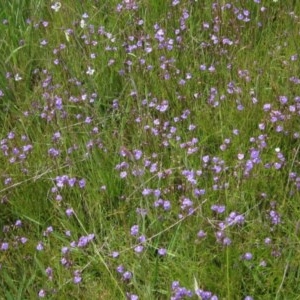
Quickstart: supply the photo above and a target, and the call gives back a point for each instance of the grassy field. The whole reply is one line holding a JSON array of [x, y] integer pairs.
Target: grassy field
[[149, 149]]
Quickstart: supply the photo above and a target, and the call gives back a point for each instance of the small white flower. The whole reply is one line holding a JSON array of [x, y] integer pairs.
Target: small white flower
[[18, 77], [56, 6], [90, 71], [82, 23], [240, 156], [277, 149]]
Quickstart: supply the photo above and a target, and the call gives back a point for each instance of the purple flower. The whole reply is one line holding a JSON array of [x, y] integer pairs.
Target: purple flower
[[127, 275], [40, 246], [142, 238], [131, 296], [166, 205], [69, 212], [218, 208], [201, 234], [162, 251], [123, 174], [199, 192], [18, 223], [81, 183], [115, 254], [226, 241], [235, 218], [120, 269], [247, 256], [23, 240], [275, 218], [134, 230], [64, 261], [49, 273], [180, 292], [56, 136], [42, 294], [139, 249], [64, 250], [71, 182], [254, 154], [83, 241], [48, 230], [267, 240], [4, 246], [137, 154], [77, 277], [283, 99], [186, 202], [146, 191]]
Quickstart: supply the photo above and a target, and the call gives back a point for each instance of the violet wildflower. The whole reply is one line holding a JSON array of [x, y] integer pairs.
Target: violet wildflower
[[4, 246], [137, 154], [64, 261], [68, 233], [69, 212], [267, 107], [166, 205], [146, 191], [115, 254], [226, 241], [56, 136], [267, 240], [42, 294], [283, 99], [134, 230], [58, 197], [199, 192], [275, 217], [247, 256], [218, 208], [201, 234], [23, 240], [82, 242], [142, 238], [48, 231], [77, 277], [40, 246], [162, 251], [81, 183], [139, 249], [180, 292], [127, 275], [120, 269], [131, 296], [123, 174], [71, 182], [64, 250]]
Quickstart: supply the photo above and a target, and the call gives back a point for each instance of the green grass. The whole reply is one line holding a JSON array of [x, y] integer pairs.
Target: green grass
[[119, 107]]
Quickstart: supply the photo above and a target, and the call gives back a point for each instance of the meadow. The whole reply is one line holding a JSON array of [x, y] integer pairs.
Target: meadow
[[149, 149]]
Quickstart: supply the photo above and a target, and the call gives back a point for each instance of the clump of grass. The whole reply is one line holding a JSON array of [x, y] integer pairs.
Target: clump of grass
[[149, 150]]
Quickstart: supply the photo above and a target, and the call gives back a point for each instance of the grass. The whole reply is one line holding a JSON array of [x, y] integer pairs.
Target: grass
[[139, 158]]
